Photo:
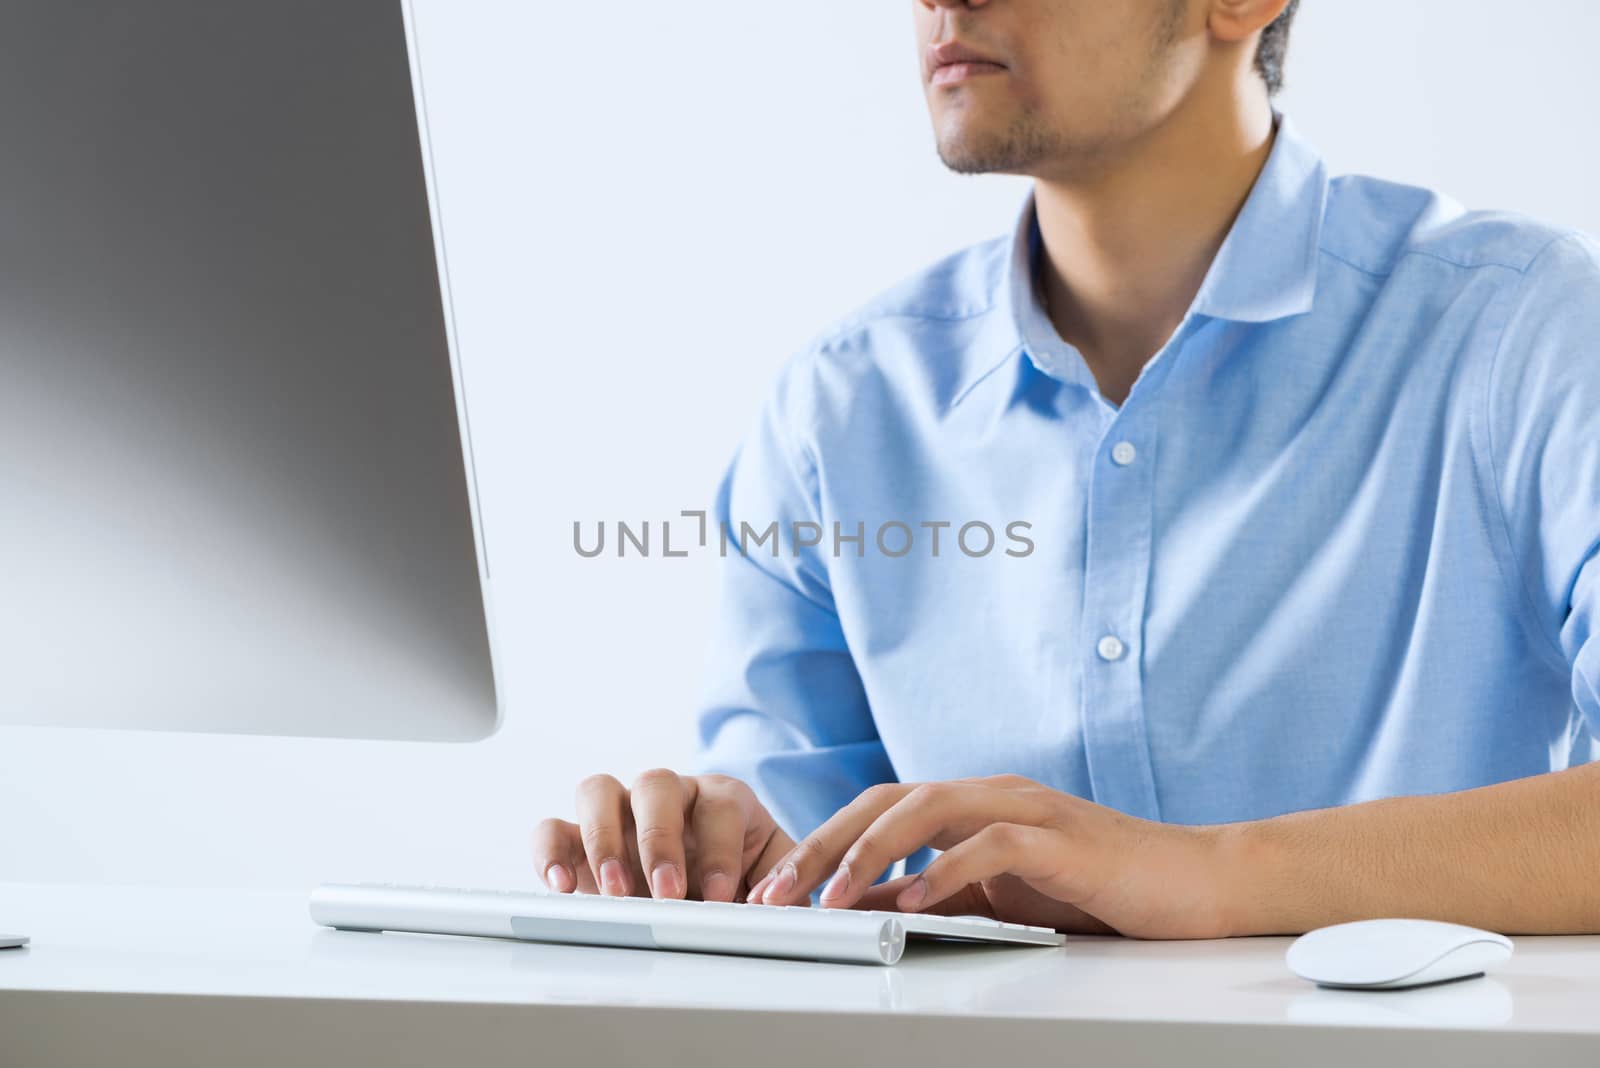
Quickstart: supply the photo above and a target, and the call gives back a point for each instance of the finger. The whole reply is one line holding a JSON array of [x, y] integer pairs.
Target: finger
[[602, 820], [934, 814], [586, 883], [882, 895], [759, 890], [998, 849], [817, 856], [659, 798], [940, 815], [767, 858], [557, 854], [719, 820], [966, 902]]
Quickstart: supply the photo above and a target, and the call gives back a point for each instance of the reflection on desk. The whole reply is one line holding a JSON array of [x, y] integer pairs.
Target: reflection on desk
[[1480, 1002]]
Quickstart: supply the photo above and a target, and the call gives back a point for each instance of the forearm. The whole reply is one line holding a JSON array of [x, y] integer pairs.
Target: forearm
[[1520, 857]]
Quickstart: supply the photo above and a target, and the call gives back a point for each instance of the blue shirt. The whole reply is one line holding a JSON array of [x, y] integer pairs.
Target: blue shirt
[[1338, 543]]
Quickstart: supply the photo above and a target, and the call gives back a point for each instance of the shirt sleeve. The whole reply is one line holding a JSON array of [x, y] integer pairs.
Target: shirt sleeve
[[1544, 431], [784, 710]]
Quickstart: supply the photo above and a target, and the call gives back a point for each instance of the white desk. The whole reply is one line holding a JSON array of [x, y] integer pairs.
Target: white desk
[[140, 976]]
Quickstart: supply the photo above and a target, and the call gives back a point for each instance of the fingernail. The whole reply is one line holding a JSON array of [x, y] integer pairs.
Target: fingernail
[[913, 895], [782, 885], [557, 878], [611, 881], [838, 884], [666, 881], [716, 886]]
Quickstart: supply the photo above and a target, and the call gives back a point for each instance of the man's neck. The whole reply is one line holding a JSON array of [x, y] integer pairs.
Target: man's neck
[[1126, 247]]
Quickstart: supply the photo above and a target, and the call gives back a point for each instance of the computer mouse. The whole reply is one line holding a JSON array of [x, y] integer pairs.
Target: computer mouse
[[1393, 954]]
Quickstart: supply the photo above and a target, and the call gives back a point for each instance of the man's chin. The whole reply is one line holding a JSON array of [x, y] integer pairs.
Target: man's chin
[[982, 148], [964, 164], [964, 157]]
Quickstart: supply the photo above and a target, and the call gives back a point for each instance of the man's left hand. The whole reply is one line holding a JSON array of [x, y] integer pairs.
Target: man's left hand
[[1015, 851]]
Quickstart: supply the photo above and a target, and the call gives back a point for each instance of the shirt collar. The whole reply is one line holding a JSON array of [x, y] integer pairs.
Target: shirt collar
[[1266, 268]]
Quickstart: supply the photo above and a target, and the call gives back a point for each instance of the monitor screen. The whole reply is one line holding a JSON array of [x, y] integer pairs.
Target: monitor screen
[[235, 473]]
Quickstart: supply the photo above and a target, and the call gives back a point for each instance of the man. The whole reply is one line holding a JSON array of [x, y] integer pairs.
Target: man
[[1310, 628]]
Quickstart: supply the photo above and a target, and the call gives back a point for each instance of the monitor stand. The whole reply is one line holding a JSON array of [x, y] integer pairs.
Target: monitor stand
[[13, 941]]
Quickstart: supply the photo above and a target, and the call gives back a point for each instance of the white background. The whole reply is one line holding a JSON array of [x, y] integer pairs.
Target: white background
[[647, 206]]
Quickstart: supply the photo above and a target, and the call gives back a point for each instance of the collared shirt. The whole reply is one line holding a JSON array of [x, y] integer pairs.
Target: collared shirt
[[1338, 543]]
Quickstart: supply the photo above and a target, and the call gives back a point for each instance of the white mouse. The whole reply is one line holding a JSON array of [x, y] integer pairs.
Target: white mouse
[[1392, 954]]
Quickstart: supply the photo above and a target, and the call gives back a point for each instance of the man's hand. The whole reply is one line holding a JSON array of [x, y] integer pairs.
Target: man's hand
[[669, 836], [1013, 850]]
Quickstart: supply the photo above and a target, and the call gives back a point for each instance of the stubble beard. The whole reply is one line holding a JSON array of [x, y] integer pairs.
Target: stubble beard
[[1017, 149], [1029, 145]]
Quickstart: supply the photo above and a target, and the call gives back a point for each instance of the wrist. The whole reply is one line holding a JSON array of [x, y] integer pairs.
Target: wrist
[[1242, 866]]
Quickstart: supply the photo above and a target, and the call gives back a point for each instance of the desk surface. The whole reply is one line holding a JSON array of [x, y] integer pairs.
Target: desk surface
[[205, 944]]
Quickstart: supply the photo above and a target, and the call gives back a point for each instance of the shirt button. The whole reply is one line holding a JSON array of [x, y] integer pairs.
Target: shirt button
[[1110, 648], [1123, 453]]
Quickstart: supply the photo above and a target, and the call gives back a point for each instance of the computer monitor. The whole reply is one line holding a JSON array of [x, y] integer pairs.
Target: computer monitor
[[236, 482]]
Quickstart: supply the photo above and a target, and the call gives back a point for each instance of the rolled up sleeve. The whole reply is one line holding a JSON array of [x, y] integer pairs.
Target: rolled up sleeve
[[1544, 400], [784, 708]]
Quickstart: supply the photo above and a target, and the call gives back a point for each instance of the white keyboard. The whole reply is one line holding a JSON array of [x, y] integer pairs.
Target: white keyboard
[[645, 923]]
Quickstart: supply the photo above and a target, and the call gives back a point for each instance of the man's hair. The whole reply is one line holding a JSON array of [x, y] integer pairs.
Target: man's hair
[[1273, 47]]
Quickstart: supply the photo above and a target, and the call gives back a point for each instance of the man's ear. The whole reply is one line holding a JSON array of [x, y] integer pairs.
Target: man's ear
[[1235, 20]]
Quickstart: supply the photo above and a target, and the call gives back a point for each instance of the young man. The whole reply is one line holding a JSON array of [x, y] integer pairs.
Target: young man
[[1309, 630]]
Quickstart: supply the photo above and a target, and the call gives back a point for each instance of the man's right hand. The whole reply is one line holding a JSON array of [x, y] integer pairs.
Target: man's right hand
[[699, 836]]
